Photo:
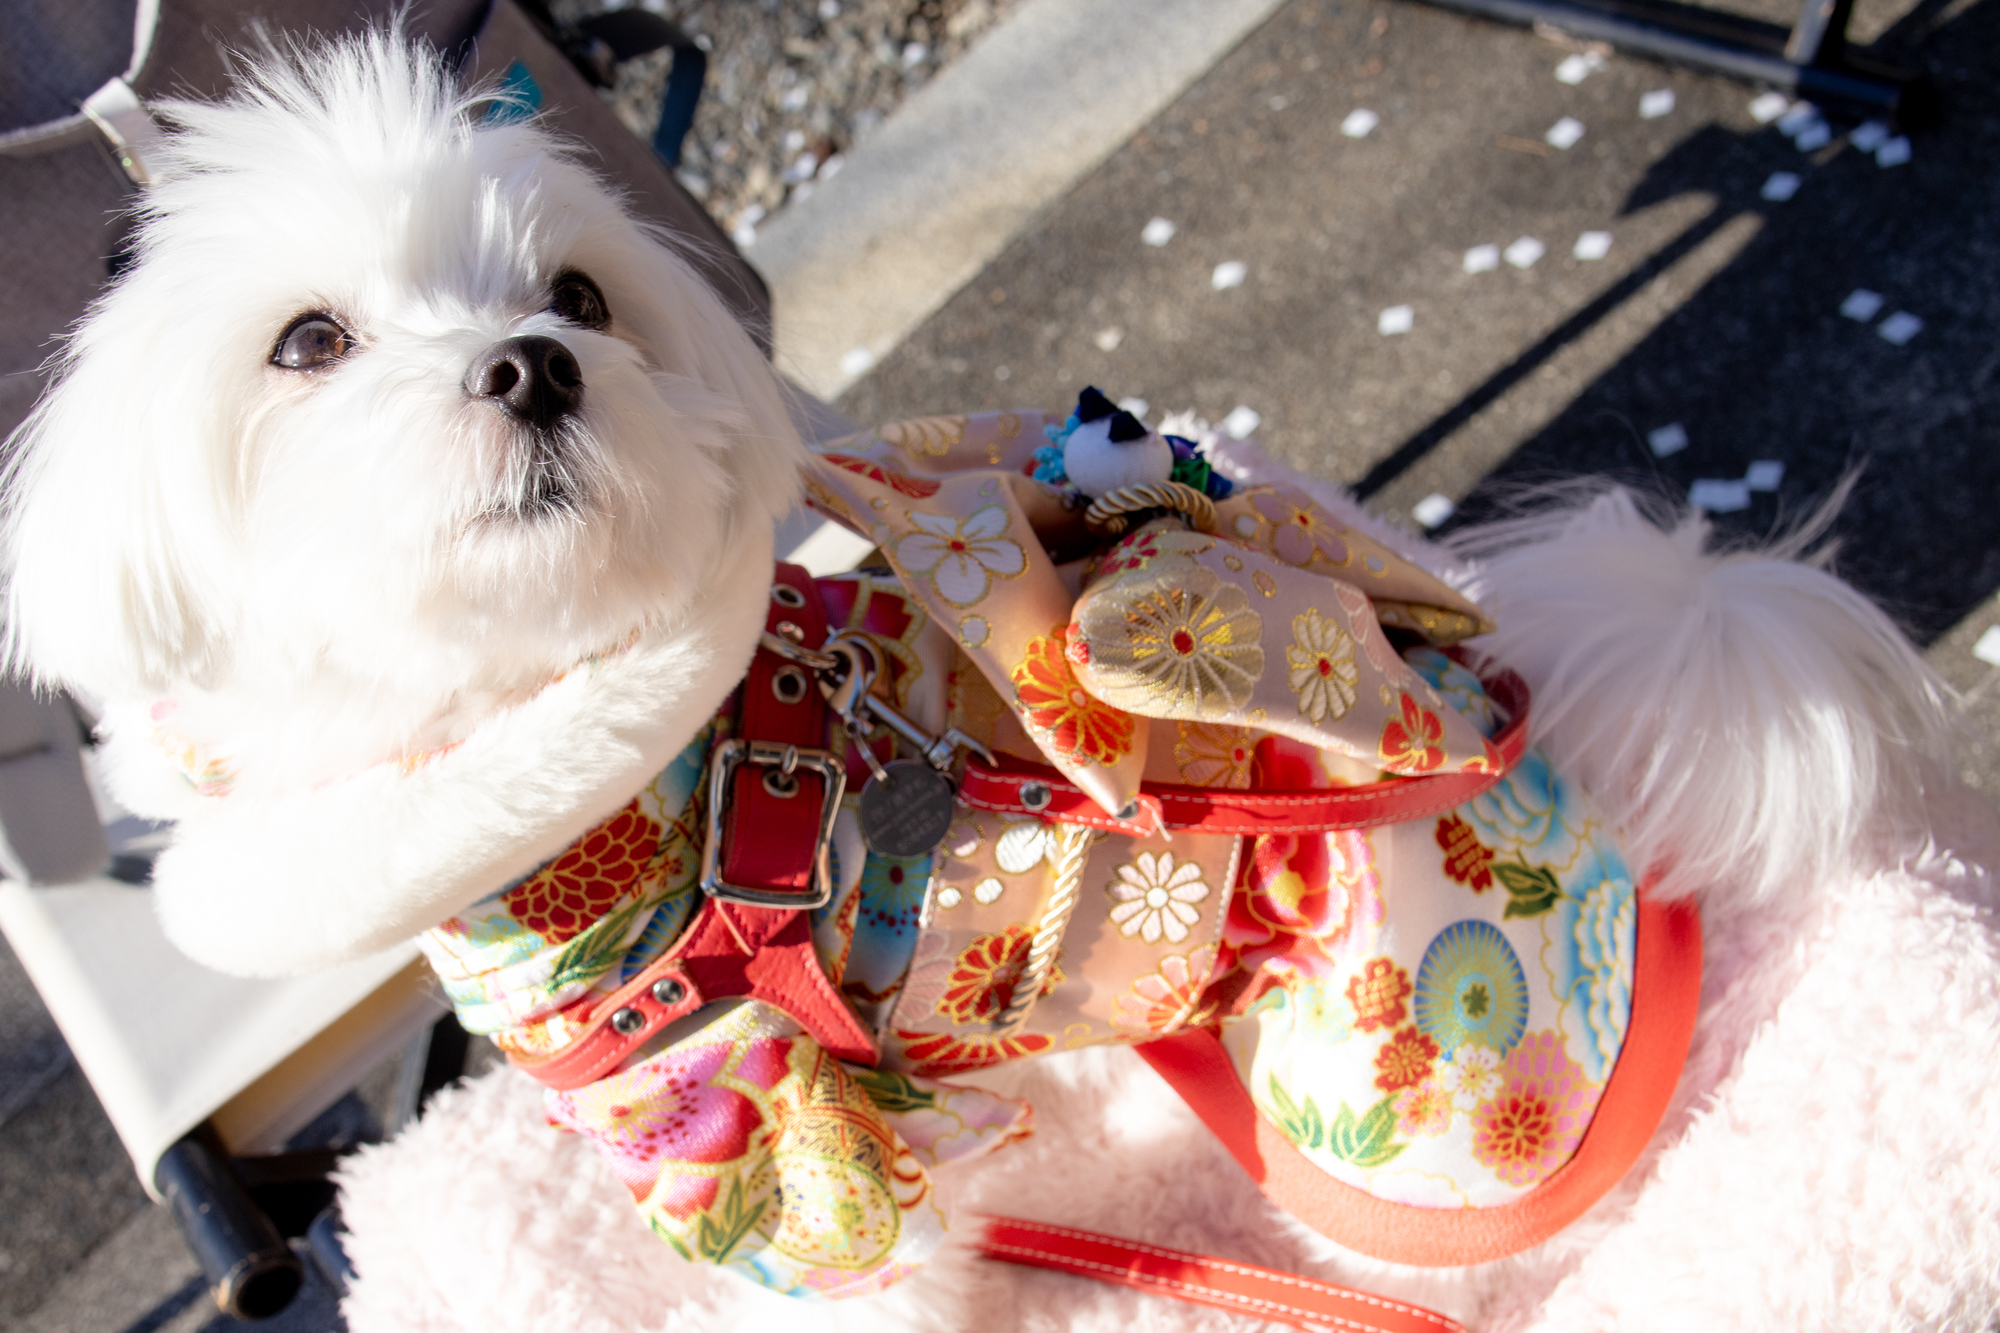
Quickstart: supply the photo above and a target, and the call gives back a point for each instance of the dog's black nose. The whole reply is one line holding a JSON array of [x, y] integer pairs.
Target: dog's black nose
[[535, 378]]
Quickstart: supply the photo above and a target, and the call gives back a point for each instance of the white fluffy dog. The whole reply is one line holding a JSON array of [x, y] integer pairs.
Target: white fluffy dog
[[399, 419]]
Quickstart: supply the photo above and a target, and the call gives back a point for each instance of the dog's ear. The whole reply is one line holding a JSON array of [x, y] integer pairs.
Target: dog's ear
[[120, 555]]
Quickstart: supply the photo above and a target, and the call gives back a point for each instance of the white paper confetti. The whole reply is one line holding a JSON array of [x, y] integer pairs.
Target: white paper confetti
[[1107, 340], [1158, 232], [1781, 185], [1668, 439], [1719, 497], [1279, 102], [1862, 304], [1359, 121], [1433, 509], [1813, 137], [1592, 245], [1764, 475], [1987, 649], [1396, 319], [1002, 374], [856, 361], [1524, 252], [1242, 419], [1482, 259], [1574, 69], [915, 54], [1797, 118], [1868, 135], [1564, 133], [1138, 407], [1900, 327], [1767, 107], [1228, 274], [1655, 104], [1893, 153]]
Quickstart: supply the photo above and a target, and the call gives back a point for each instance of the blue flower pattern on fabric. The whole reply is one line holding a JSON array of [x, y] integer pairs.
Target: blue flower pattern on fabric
[[1530, 815], [1592, 936], [1459, 688]]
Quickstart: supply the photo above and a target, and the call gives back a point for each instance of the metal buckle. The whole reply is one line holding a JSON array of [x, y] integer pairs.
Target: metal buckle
[[722, 766]]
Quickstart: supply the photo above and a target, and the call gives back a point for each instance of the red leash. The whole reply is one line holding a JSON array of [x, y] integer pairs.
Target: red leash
[[1246, 1289]]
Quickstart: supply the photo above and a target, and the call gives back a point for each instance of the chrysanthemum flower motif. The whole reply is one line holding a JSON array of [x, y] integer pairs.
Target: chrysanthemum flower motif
[[1195, 645], [1423, 1109], [961, 556], [1155, 898], [598, 871], [1536, 1120], [982, 981], [1212, 754], [1300, 529], [1169, 999], [1323, 672], [1413, 742], [1471, 1075], [1405, 1060], [1073, 723]]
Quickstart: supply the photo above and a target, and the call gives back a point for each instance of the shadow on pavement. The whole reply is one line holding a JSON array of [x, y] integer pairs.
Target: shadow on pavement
[[1762, 364]]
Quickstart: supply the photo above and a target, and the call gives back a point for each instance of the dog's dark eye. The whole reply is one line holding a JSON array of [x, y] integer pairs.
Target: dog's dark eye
[[309, 342], [577, 299]]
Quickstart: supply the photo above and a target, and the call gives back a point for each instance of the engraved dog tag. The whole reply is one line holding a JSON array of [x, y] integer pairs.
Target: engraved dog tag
[[906, 810]]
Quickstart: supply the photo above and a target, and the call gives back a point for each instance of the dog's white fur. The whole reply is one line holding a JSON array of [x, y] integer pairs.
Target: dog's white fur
[[327, 572]]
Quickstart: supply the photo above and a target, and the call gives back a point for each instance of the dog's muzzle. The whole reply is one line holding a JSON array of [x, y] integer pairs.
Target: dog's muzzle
[[534, 379]]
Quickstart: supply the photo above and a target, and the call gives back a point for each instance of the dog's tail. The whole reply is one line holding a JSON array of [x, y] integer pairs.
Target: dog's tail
[[1743, 715]]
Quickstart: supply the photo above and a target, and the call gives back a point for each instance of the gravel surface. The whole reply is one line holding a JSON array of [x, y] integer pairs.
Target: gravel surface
[[792, 85]]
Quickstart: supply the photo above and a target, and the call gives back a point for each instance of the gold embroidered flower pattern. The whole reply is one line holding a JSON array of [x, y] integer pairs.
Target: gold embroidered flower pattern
[[982, 981], [1157, 898], [925, 436], [1214, 754], [962, 557], [1169, 999], [1323, 671], [1077, 726], [1192, 647], [1300, 529]]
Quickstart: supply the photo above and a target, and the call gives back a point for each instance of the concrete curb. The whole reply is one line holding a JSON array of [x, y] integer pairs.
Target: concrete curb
[[966, 163]]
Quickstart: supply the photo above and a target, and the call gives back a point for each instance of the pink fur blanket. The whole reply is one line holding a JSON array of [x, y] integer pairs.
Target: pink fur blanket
[[1830, 1163]]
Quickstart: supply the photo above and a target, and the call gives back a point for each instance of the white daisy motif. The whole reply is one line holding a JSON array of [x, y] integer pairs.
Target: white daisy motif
[[1022, 846], [1156, 898], [962, 557]]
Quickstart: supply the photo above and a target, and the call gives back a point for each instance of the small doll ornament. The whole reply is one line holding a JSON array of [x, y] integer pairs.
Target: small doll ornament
[[1102, 448]]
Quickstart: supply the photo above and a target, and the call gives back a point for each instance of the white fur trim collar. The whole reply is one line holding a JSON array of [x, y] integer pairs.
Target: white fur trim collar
[[278, 885]]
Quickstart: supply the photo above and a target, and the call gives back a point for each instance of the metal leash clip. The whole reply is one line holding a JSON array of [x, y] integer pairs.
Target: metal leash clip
[[906, 805]]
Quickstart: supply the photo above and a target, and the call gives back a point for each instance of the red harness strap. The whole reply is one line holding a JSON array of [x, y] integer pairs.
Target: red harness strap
[[770, 845], [1263, 1293], [1006, 786]]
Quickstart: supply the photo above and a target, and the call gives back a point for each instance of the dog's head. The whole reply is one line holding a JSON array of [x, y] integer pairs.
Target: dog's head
[[395, 400]]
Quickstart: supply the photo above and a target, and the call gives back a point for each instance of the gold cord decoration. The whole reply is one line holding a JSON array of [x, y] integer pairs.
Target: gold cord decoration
[[1109, 513], [1075, 840]]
